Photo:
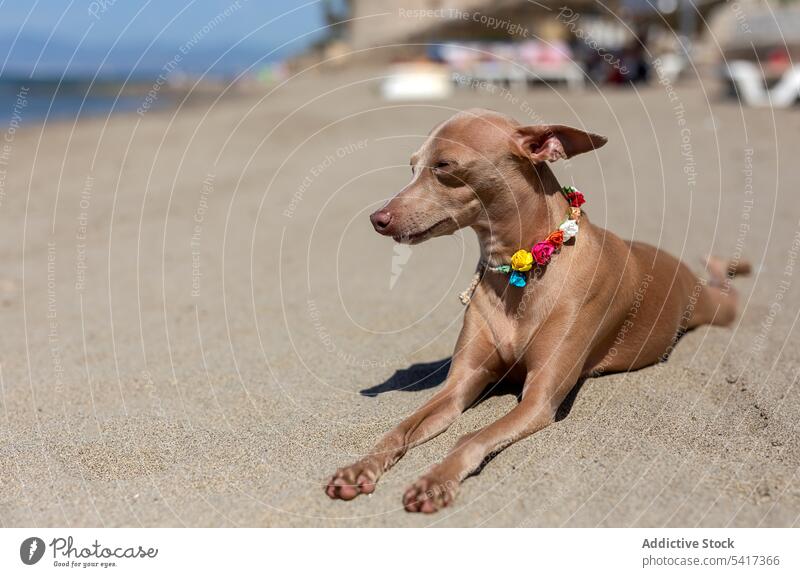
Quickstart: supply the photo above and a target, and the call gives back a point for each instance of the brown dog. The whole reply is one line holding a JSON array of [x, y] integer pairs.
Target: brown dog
[[602, 304]]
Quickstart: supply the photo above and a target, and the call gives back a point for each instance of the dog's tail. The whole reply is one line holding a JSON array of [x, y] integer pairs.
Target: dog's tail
[[721, 270]]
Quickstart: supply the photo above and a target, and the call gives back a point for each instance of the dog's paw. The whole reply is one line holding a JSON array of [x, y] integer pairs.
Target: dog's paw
[[350, 482], [430, 493]]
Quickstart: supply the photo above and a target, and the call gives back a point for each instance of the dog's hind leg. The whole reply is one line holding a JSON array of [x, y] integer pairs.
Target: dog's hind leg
[[717, 302]]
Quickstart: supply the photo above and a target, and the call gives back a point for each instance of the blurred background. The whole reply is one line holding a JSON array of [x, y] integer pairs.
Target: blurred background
[[199, 324], [79, 57]]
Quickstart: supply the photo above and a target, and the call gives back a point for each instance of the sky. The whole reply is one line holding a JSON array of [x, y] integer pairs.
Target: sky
[[45, 36]]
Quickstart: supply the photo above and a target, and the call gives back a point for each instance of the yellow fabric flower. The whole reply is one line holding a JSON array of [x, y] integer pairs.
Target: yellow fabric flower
[[522, 260]]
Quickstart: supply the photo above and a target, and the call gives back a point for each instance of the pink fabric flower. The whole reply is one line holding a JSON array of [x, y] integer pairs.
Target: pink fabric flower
[[542, 251]]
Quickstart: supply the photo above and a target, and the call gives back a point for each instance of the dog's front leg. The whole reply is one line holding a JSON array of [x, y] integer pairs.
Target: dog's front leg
[[472, 369], [543, 393]]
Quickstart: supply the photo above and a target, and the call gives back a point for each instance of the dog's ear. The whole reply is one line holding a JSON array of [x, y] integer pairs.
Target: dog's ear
[[543, 142]]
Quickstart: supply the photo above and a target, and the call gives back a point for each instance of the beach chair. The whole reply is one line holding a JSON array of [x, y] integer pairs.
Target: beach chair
[[748, 82]]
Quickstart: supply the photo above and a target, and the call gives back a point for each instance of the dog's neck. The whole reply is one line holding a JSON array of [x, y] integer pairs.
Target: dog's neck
[[531, 209]]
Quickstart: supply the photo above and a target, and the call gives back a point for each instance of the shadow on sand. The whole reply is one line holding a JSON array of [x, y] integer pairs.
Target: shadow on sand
[[423, 376], [417, 377]]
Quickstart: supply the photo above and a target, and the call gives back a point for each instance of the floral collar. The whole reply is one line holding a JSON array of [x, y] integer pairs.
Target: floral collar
[[523, 261]]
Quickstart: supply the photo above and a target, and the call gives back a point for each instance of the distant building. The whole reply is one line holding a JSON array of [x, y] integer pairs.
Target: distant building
[[382, 22], [406, 29]]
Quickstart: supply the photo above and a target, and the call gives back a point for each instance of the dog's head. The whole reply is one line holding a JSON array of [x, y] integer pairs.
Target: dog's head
[[462, 167]]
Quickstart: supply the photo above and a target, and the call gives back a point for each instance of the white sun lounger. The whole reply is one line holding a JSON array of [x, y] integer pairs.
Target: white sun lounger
[[749, 84]]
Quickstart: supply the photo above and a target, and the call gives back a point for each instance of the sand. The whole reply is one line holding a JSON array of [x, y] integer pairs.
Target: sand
[[199, 325]]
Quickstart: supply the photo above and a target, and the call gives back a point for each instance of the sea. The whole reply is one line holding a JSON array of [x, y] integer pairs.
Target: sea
[[24, 101], [35, 89]]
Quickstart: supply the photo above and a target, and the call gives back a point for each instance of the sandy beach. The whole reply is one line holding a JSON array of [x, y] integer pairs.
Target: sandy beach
[[199, 324]]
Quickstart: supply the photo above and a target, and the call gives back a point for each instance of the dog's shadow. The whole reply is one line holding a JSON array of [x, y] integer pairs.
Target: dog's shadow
[[417, 377], [424, 376]]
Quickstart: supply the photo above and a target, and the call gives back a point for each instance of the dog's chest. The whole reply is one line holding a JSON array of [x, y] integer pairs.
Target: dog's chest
[[512, 319], [508, 337]]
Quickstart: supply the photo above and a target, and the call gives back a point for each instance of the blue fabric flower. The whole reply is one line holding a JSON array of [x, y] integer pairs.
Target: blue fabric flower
[[517, 279]]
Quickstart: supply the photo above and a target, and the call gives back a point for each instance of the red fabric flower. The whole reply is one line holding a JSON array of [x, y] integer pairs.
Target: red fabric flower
[[575, 198]]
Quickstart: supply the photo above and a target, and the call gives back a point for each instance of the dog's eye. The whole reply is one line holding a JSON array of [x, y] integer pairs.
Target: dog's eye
[[447, 173]]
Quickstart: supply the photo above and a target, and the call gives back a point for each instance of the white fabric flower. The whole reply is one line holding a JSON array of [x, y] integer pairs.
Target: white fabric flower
[[569, 228]]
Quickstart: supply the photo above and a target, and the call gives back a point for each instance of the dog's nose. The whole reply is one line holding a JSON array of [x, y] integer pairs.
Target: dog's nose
[[380, 219]]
